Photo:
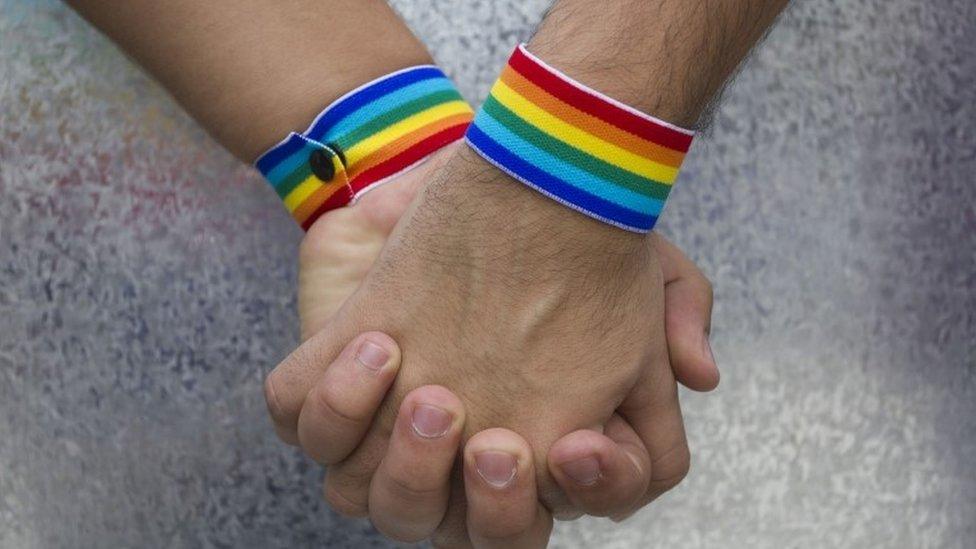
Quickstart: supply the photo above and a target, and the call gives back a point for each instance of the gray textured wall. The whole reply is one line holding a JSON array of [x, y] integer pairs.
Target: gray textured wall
[[146, 286]]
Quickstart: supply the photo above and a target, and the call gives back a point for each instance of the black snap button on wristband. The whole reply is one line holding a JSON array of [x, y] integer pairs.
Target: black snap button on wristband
[[321, 164], [338, 151]]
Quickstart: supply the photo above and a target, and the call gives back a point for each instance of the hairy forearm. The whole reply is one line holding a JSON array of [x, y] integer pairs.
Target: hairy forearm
[[250, 71], [665, 57], [668, 58]]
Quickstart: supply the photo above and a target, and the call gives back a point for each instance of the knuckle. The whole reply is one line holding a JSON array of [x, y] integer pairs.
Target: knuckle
[[279, 414], [452, 532], [567, 514], [330, 402], [707, 288], [504, 523], [504, 530], [399, 534], [448, 541], [671, 468], [674, 480], [602, 502], [400, 530], [413, 489], [352, 476], [343, 503]]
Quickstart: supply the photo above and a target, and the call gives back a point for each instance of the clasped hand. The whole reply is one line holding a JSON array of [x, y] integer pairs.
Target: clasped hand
[[455, 308]]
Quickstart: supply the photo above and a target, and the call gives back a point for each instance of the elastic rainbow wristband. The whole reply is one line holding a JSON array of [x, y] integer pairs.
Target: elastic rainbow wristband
[[365, 138], [578, 146]]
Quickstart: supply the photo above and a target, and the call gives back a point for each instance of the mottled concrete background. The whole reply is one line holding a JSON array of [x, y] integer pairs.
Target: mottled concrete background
[[146, 285]]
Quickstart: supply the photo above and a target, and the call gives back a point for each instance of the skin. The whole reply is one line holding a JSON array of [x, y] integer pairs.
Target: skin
[[508, 298], [250, 71], [336, 254], [242, 70], [496, 381], [341, 247], [468, 221]]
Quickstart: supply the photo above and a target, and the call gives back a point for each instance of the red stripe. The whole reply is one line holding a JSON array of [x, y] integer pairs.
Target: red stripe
[[393, 165], [338, 199], [608, 112], [408, 157]]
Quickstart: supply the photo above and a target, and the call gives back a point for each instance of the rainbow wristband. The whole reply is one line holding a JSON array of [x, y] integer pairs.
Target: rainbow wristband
[[365, 138], [578, 146]]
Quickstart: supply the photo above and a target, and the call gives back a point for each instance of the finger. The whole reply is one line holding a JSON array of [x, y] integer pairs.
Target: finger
[[339, 248], [602, 474], [452, 532], [409, 492], [499, 480], [688, 318], [652, 410], [340, 407], [288, 384], [346, 485], [347, 482]]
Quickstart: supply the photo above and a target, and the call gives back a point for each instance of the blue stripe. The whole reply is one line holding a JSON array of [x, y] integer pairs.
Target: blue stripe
[[385, 104], [564, 171], [561, 190], [350, 105], [275, 156], [298, 157], [365, 96]]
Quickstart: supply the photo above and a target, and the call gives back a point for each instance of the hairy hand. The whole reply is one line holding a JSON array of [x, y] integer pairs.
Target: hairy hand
[[539, 319]]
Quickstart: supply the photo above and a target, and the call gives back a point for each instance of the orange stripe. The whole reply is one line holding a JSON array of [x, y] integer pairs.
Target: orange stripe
[[396, 147], [590, 123], [314, 200]]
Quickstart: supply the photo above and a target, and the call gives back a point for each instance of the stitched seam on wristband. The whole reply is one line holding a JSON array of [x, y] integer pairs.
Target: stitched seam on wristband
[[576, 145], [377, 132]]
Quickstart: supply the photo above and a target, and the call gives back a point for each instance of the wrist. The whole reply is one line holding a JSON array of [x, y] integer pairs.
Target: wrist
[[668, 58], [372, 134], [578, 146], [670, 99], [644, 66], [477, 203], [276, 106]]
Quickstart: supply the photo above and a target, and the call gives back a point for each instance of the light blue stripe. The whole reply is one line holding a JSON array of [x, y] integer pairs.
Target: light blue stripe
[[555, 188], [290, 164], [574, 176], [385, 104], [286, 167]]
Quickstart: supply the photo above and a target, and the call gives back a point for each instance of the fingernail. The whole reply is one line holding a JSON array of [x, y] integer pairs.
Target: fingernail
[[431, 421], [497, 468], [372, 356], [585, 471]]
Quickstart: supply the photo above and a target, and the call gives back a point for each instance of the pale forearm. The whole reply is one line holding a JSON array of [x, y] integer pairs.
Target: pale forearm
[[665, 57], [250, 71]]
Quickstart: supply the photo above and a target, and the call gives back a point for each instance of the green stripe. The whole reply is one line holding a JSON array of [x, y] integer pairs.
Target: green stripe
[[294, 179], [390, 118], [582, 160]]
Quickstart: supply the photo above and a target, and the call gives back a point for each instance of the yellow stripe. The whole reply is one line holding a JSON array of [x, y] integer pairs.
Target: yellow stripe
[[585, 141], [409, 140], [312, 203], [589, 123], [313, 183], [301, 192], [378, 140]]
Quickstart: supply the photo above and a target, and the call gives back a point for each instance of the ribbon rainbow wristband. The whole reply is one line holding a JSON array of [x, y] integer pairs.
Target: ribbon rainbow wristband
[[366, 137], [578, 146]]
